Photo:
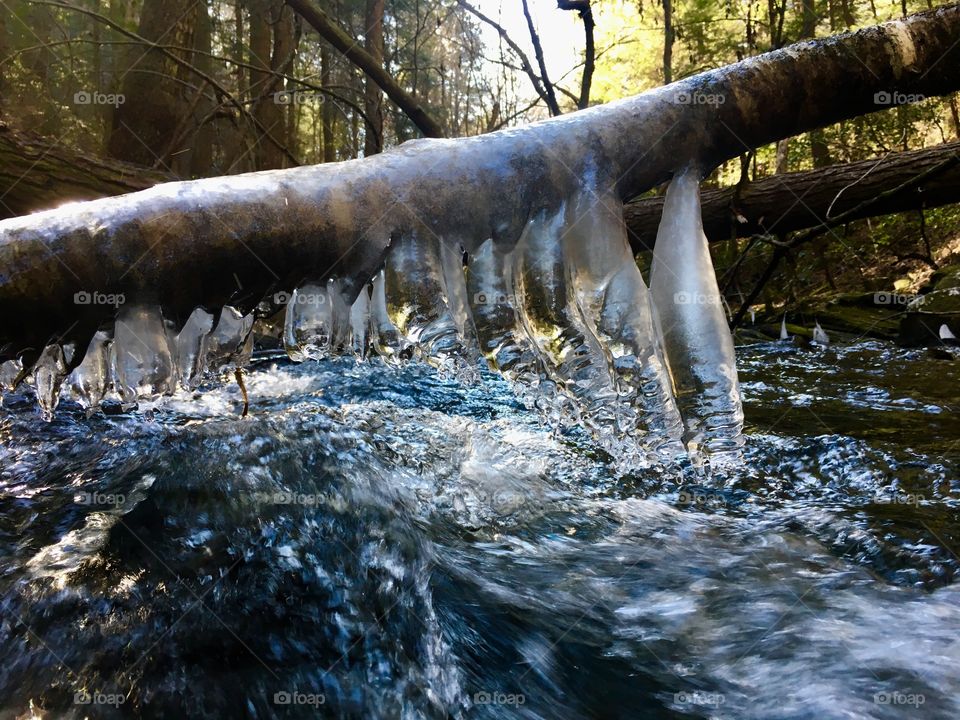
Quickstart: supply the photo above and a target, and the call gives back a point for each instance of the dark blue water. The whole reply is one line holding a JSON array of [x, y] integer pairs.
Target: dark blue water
[[383, 543]]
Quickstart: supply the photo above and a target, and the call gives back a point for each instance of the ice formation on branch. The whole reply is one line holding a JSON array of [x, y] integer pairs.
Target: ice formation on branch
[[559, 308]]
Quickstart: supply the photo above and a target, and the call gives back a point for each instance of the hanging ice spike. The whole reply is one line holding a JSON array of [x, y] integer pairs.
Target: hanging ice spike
[[697, 342]]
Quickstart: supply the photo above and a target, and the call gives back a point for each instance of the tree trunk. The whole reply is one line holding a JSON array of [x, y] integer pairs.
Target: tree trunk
[[770, 206], [372, 95], [157, 91], [310, 11], [668, 38], [233, 239]]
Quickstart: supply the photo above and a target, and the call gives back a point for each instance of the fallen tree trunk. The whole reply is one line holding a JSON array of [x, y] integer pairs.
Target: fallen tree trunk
[[797, 201], [233, 239], [36, 173]]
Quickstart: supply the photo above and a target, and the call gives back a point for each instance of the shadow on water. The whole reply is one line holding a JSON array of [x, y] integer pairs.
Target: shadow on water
[[382, 543]]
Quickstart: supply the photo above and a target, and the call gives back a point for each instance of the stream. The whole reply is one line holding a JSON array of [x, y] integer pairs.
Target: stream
[[383, 542]]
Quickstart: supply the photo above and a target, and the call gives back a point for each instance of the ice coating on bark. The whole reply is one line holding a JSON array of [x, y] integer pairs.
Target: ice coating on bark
[[308, 327], [616, 305], [231, 343], [48, 374], [190, 348], [697, 342], [548, 309], [142, 361], [90, 380]]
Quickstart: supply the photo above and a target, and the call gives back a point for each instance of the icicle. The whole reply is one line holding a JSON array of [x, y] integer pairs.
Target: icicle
[[308, 327], [189, 348], [48, 374], [11, 372], [384, 336], [616, 305], [819, 334], [230, 345], [359, 322], [454, 280], [784, 335], [143, 364], [339, 317], [696, 337], [501, 337], [90, 380], [417, 297], [549, 313]]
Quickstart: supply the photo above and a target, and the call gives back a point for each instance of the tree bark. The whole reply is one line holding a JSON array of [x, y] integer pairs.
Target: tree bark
[[37, 173], [797, 201], [234, 239]]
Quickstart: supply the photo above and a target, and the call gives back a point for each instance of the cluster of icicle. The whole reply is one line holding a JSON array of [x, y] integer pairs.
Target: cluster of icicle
[[563, 313]]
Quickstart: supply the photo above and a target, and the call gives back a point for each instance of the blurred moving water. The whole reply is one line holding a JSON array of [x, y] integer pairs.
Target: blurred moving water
[[382, 542]]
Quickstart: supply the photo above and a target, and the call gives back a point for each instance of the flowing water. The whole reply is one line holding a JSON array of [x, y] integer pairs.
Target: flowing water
[[387, 542]]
